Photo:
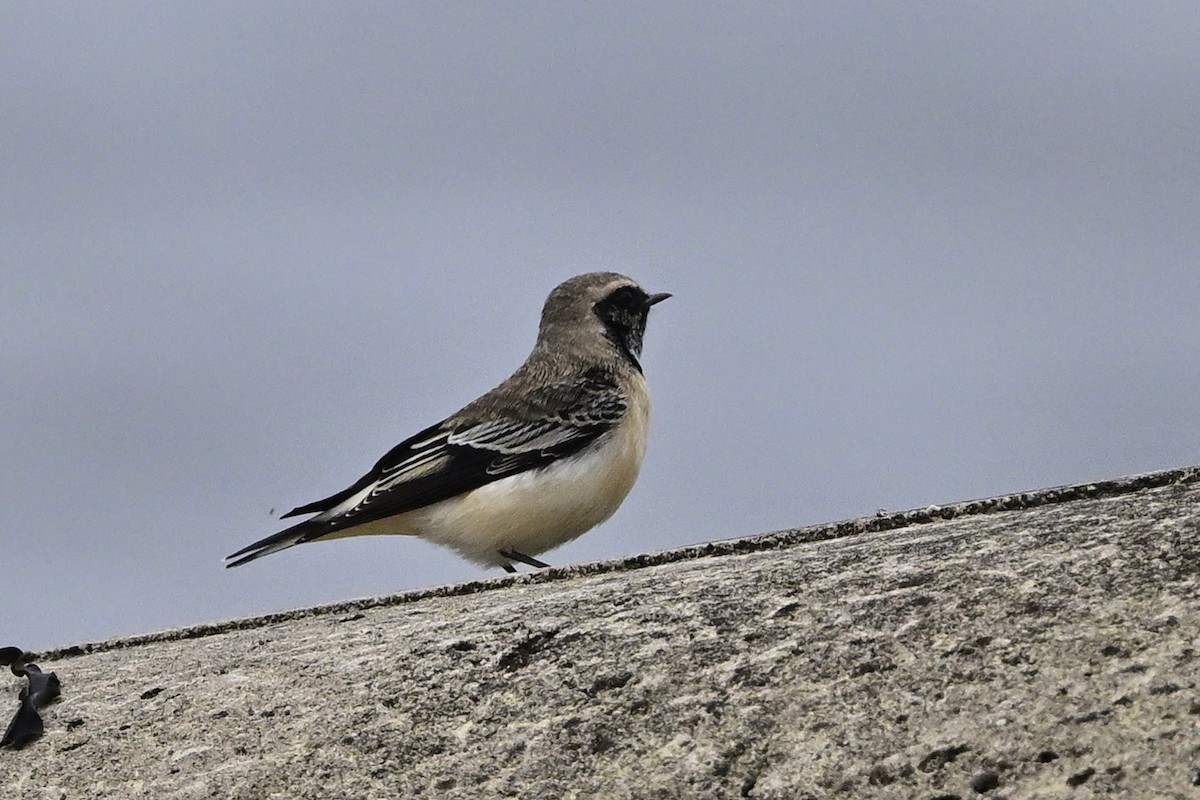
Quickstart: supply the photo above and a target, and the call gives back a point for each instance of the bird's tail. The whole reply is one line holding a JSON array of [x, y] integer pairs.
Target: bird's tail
[[297, 534]]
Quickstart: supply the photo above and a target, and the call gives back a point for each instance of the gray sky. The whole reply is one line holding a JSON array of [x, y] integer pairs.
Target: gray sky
[[920, 253]]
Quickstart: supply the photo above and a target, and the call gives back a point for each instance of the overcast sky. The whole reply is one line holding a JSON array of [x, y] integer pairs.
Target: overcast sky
[[920, 253]]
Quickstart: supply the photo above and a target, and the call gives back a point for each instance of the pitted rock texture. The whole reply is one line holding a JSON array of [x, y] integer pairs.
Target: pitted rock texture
[[1045, 647]]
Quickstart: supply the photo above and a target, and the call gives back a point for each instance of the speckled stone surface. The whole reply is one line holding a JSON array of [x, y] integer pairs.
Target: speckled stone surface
[[1042, 645]]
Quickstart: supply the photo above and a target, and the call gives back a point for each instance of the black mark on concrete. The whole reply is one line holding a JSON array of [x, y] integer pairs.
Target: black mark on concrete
[[523, 652], [941, 757], [1080, 778]]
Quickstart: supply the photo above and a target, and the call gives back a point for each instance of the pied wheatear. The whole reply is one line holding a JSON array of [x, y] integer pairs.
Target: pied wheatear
[[544, 457]]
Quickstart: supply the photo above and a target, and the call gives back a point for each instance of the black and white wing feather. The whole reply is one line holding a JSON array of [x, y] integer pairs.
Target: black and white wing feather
[[483, 443]]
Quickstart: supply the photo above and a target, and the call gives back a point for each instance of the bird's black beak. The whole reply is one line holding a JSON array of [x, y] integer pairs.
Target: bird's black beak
[[657, 298]]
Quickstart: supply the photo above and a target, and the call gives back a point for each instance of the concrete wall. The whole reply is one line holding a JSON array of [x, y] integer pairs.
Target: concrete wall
[[1040, 645]]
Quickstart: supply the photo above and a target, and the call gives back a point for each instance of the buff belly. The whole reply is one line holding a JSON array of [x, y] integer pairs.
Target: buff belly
[[534, 511], [538, 510]]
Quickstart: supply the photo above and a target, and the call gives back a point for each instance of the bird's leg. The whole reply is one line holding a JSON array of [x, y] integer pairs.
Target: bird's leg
[[524, 559]]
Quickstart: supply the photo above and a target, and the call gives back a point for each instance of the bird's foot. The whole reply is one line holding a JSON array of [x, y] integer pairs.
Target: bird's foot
[[513, 555]]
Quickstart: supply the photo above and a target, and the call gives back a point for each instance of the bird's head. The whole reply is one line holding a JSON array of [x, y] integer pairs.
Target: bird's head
[[597, 310]]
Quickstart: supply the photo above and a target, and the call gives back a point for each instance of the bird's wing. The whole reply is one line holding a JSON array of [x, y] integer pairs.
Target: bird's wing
[[556, 421], [461, 454]]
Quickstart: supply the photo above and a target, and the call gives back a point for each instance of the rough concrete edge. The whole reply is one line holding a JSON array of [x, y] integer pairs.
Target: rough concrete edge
[[775, 540]]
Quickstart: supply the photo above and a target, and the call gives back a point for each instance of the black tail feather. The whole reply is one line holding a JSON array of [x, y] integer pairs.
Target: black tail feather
[[288, 537]]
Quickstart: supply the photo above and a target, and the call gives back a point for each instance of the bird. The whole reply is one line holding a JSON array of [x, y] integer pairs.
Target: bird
[[534, 463]]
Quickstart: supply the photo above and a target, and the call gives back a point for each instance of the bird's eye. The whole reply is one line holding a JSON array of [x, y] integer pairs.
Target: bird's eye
[[627, 297]]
